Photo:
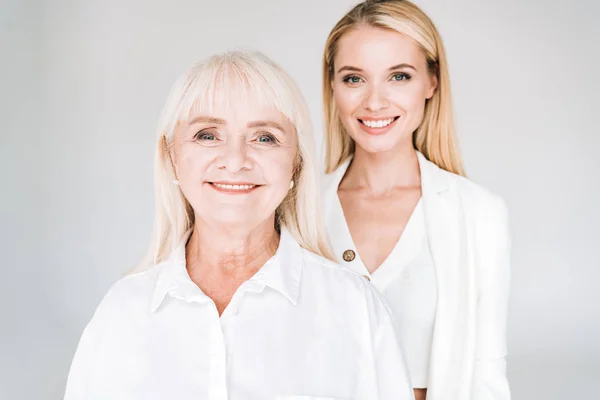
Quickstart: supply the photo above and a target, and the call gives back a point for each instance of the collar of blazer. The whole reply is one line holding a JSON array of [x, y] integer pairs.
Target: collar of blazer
[[433, 178]]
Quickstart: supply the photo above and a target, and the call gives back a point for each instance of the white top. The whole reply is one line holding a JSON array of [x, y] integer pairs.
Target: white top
[[300, 328], [406, 279], [468, 231]]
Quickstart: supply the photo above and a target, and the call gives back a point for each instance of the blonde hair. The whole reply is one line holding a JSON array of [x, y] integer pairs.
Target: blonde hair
[[239, 77], [435, 137]]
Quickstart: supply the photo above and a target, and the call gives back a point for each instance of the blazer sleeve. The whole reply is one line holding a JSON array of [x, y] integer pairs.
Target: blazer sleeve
[[493, 251]]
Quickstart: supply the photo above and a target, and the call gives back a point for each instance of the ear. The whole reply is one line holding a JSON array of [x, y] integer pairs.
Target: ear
[[170, 150], [432, 87], [173, 156], [297, 164]]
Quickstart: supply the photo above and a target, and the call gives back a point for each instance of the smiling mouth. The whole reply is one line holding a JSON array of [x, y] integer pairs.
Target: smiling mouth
[[233, 187], [380, 123]]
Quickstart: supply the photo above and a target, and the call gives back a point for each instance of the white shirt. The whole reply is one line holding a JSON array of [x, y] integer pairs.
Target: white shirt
[[406, 279], [468, 234], [301, 328]]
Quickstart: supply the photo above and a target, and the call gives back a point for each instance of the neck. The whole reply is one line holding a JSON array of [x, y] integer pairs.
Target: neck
[[382, 172], [233, 250]]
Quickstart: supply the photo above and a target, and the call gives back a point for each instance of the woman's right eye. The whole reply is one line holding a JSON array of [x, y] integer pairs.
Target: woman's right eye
[[352, 79], [202, 135]]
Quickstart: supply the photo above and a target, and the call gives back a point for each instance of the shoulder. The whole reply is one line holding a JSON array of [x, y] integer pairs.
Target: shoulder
[[485, 213], [133, 287], [331, 181], [470, 196], [129, 297], [125, 303], [472, 190], [475, 197], [328, 193], [315, 264], [343, 286]]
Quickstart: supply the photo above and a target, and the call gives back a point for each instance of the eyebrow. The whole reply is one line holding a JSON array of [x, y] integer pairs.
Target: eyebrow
[[254, 124], [355, 69], [265, 124], [210, 120]]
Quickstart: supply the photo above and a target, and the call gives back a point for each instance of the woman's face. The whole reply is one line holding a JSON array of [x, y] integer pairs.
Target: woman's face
[[380, 85], [235, 165]]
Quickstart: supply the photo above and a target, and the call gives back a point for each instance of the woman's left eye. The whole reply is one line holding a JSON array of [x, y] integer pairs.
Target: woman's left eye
[[266, 139], [400, 77]]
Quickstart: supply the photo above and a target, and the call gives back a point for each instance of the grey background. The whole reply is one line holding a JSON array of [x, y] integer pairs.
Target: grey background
[[81, 86]]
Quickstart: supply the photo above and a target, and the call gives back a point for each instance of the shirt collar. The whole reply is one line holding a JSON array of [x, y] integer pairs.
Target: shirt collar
[[281, 273]]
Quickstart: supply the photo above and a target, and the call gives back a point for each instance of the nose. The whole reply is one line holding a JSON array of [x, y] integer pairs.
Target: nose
[[234, 156], [376, 99]]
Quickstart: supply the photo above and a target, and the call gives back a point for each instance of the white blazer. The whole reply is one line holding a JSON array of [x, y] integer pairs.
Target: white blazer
[[467, 227]]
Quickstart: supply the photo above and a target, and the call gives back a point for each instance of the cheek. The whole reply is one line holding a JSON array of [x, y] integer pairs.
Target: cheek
[[193, 163], [192, 160], [277, 168], [410, 98], [347, 101]]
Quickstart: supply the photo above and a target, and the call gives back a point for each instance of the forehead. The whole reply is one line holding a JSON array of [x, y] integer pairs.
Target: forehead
[[242, 114], [236, 96], [369, 47]]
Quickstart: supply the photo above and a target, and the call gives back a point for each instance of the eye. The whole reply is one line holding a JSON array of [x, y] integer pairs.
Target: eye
[[266, 138], [401, 76], [204, 135], [352, 79]]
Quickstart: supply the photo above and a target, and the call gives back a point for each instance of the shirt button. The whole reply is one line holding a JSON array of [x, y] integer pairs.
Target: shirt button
[[348, 255], [366, 277]]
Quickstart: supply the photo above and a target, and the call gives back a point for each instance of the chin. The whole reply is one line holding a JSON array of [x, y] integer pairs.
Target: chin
[[233, 223], [376, 145]]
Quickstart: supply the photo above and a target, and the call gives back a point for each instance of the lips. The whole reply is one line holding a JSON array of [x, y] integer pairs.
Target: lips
[[233, 187], [378, 123], [377, 126]]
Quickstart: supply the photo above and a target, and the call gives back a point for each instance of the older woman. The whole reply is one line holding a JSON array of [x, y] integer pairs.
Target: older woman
[[237, 299]]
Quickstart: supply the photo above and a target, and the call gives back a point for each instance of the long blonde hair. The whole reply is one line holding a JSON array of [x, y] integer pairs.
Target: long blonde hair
[[435, 137], [235, 76]]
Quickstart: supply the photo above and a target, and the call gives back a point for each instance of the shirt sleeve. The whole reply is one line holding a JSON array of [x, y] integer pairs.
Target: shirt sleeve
[[81, 371], [80, 381]]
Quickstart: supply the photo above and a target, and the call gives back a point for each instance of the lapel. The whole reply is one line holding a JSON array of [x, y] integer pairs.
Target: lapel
[[449, 374], [335, 221]]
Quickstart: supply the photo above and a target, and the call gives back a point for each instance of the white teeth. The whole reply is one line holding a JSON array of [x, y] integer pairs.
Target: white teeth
[[377, 124], [233, 187]]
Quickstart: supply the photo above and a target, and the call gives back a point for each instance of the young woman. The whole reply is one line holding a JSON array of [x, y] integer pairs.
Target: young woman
[[400, 211]]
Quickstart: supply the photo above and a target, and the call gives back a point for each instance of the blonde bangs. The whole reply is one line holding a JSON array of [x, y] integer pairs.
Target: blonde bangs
[[227, 82]]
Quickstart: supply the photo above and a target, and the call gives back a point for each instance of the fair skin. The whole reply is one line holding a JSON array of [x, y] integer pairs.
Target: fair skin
[[381, 84], [234, 165]]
